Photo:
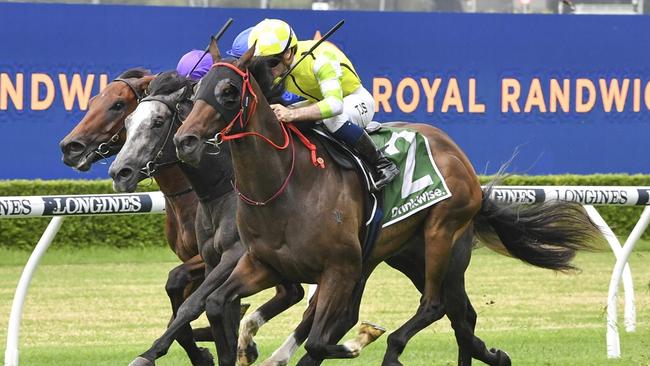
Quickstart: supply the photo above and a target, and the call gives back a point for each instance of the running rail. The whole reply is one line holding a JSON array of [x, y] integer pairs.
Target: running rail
[[58, 207], [590, 196]]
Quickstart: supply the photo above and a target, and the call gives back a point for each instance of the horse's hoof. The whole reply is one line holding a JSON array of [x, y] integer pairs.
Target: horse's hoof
[[141, 361], [204, 359], [373, 331], [503, 359], [249, 355], [251, 352], [243, 308]]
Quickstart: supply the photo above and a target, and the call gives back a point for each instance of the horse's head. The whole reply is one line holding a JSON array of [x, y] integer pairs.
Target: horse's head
[[226, 100], [149, 131], [101, 131]]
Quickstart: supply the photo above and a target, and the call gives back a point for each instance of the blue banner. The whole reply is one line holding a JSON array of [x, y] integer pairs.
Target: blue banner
[[570, 93]]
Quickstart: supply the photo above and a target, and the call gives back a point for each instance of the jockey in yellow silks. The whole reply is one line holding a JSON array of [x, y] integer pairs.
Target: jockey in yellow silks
[[329, 82]]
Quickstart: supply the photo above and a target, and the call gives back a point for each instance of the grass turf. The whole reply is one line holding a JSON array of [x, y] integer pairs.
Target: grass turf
[[105, 306]]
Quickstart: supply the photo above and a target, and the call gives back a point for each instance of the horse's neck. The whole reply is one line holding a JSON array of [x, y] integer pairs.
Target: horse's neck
[[261, 169], [172, 181], [212, 178]]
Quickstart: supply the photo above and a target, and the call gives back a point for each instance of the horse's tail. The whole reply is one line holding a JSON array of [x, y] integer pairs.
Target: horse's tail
[[546, 235]]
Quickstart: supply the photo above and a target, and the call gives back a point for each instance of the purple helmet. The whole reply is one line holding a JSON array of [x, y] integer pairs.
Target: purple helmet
[[187, 62]]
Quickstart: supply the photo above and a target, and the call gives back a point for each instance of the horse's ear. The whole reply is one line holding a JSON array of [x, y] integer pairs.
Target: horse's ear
[[178, 94], [246, 58], [214, 50], [144, 81]]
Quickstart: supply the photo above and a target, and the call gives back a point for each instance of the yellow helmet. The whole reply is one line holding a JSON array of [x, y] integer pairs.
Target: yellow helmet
[[273, 37]]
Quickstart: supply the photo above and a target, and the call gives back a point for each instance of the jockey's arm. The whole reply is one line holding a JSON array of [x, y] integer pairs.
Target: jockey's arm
[[327, 70]]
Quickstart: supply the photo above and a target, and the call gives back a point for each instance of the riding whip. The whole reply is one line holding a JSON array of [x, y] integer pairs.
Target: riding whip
[[307, 53], [216, 38]]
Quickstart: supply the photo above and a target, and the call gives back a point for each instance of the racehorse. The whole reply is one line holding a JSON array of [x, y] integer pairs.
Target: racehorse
[[101, 134], [303, 224], [149, 149], [150, 129]]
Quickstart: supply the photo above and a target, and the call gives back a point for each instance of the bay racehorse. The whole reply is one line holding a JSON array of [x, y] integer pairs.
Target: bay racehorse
[[150, 129], [303, 224]]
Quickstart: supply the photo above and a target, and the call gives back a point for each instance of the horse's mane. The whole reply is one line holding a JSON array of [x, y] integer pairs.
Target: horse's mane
[[137, 72], [169, 82], [261, 71]]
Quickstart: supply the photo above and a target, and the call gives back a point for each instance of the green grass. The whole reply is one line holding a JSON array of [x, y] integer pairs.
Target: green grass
[[105, 306]]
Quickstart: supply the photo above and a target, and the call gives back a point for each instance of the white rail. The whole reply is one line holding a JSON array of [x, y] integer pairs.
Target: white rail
[[58, 207], [153, 202], [590, 196]]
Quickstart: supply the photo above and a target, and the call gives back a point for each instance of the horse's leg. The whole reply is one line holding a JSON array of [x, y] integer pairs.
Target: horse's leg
[[460, 311], [249, 277], [409, 261], [336, 312], [463, 319], [181, 282], [440, 232], [286, 295], [282, 355], [193, 306]]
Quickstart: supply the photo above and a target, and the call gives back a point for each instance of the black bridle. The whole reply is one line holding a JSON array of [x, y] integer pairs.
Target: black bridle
[[105, 148], [153, 165]]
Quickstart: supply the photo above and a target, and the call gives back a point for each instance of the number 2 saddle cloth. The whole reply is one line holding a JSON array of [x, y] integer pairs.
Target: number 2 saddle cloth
[[419, 185]]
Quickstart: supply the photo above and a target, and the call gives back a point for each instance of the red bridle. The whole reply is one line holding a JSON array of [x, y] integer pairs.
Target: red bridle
[[223, 135]]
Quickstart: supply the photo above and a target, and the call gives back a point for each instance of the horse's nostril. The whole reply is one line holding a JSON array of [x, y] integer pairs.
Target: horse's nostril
[[189, 143], [125, 173], [75, 147]]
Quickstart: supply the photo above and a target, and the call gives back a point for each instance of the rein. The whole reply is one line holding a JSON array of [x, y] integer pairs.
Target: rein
[[247, 109]]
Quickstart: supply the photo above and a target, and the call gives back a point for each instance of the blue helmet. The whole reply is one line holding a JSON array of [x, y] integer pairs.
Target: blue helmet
[[240, 44]]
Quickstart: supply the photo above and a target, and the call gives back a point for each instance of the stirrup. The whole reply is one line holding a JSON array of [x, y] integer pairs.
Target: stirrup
[[388, 174]]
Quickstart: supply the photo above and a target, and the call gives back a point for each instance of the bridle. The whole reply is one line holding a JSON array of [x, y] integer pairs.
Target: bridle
[[248, 105], [153, 165], [105, 148], [247, 109]]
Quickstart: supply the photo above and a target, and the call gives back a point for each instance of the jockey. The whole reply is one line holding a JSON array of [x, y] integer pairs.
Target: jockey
[[187, 62], [328, 80], [240, 46]]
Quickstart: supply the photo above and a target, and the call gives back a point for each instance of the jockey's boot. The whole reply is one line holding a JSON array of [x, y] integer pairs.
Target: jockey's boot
[[385, 169]]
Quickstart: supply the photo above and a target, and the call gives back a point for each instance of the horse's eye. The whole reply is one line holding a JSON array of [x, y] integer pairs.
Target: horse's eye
[[117, 106], [230, 91], [158, 122]]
